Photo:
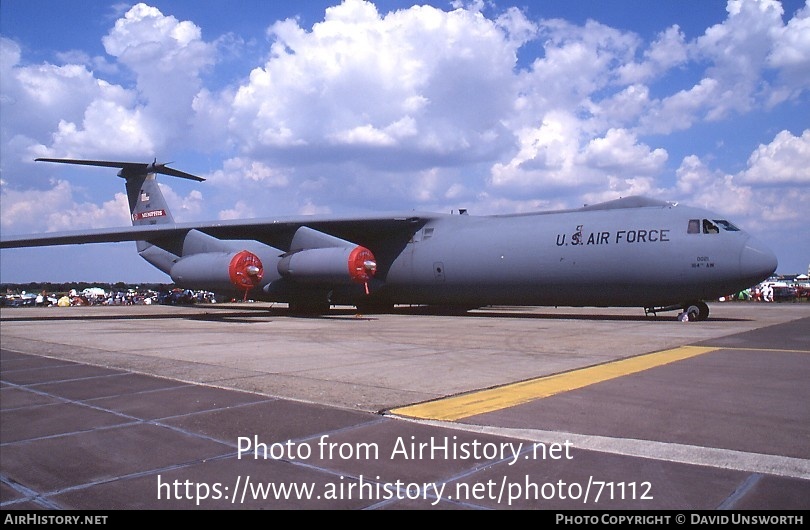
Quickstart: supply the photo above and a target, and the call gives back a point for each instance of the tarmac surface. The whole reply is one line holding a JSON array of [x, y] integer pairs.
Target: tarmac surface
[[242, 407]]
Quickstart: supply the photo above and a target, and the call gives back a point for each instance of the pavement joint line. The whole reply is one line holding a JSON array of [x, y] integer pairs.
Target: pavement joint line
[[65, 364], [505, 396], [28, 495], [779, 350], [27, 441], [133, 420], [76, 379], [134, 475], [731, 459], [745, 486], [60, 400], [87, 350]]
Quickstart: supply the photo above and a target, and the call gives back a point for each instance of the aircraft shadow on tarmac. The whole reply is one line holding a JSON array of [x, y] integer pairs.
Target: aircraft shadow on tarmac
[[256, 314]]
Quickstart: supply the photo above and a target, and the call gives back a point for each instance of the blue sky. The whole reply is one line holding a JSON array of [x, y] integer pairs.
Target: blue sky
[[355, 107]]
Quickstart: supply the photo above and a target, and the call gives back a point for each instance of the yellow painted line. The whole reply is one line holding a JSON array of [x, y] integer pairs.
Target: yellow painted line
[[465, 405]]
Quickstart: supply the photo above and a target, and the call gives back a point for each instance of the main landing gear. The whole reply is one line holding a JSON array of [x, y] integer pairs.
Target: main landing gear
[[689, 312]]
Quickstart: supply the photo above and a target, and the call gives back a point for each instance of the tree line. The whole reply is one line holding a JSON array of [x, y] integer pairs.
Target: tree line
[[63, 287]]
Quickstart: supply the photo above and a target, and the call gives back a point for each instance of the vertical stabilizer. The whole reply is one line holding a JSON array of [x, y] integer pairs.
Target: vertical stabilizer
[[146, 202]]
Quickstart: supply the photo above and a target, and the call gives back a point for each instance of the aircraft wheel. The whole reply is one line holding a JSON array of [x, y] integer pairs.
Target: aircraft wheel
[[696, 310]]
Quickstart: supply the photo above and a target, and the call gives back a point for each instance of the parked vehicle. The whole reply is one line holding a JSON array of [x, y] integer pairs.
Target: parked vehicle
[[784, 294]]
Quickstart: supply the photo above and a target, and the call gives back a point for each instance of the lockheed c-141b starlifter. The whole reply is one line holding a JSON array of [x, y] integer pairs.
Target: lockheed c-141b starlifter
[[630, 252]]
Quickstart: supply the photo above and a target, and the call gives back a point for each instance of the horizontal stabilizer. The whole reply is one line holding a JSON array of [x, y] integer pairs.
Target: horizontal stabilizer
[[128, 169]]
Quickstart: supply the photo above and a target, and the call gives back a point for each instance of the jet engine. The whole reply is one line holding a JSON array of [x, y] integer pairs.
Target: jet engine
[[333, 265], [240, 270]]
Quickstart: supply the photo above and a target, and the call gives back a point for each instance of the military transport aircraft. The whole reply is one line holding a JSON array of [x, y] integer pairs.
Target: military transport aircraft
[[629, 252]]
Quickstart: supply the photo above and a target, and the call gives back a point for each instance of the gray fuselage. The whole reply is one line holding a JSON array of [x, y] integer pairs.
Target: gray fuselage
[[640, 256]]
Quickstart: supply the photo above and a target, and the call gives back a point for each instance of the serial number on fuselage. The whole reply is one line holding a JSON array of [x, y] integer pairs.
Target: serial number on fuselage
[[654, 235]]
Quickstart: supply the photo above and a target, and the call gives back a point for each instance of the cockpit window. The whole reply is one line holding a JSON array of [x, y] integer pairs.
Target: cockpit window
[[726, 225], [709, 227]]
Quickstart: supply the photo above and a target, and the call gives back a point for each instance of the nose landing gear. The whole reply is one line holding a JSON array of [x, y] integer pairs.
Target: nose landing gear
[[689, 311], [694, 311]]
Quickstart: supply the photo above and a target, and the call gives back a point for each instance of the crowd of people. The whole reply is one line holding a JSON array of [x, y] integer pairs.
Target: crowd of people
[[767, 291], [91, 297], [775, 291]]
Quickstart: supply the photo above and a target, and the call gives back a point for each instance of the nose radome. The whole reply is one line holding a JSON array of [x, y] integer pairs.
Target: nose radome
[[757, 261]]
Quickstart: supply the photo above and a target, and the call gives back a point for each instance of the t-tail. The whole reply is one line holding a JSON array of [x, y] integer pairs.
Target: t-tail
[[147, 206], [192, 258], [146, 203]]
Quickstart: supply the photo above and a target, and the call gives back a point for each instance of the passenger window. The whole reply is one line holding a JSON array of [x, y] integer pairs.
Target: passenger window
[[709, 227], [694, 226]]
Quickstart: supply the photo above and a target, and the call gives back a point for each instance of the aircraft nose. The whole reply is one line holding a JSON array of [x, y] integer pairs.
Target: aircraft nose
[[757, 261]]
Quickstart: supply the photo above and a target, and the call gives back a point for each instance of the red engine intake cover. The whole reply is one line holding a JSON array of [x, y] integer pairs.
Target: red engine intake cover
[[362, 264], [246, 270]]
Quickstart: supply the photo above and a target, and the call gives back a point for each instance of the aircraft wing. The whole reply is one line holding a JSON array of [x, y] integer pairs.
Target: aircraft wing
[[104, 235], [276, 232]]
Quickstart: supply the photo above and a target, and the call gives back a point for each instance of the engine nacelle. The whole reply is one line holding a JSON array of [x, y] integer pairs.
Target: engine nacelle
[[213, 271], [334, 265]]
